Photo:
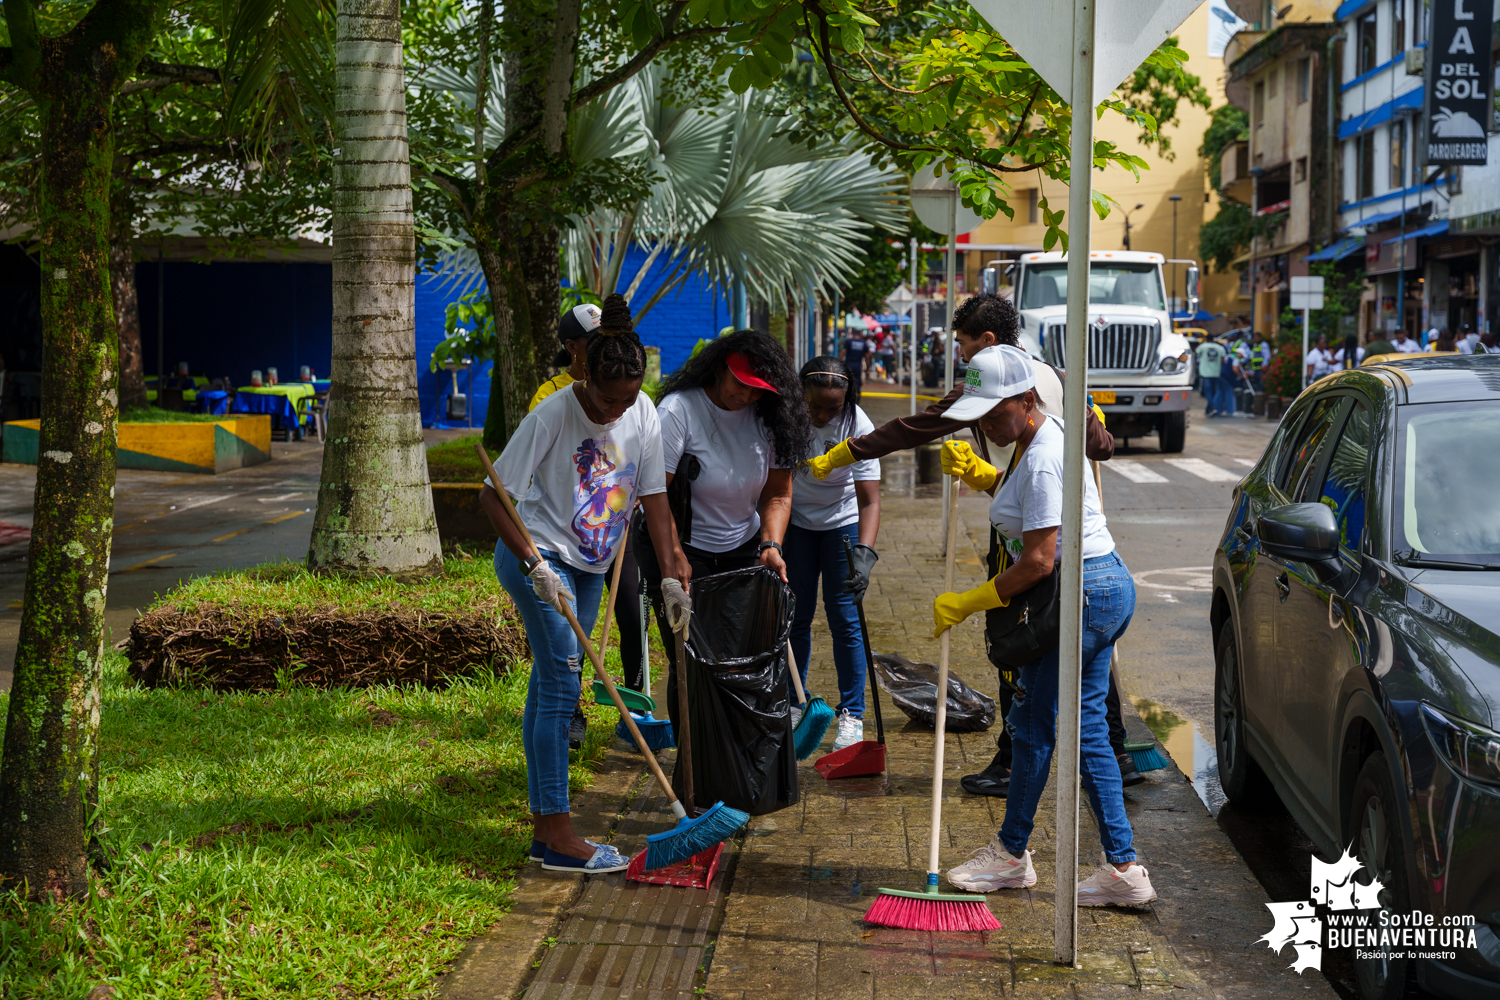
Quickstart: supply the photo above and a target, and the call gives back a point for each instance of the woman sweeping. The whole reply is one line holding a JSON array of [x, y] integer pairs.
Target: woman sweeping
[[575, 466], [826, 513], [733, 426], [1027, 512]]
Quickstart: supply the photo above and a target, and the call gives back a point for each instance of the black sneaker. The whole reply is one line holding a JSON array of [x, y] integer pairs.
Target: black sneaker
[[1128, 774], [993, 780], [578, 727]]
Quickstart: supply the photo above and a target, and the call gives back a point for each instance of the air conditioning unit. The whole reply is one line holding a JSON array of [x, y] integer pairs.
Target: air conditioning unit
[[1416, 62]]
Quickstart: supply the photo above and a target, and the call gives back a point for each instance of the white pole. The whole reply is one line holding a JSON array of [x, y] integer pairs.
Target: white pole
[[914, 326], [1070, 603], [948, 354], [1306, 328]]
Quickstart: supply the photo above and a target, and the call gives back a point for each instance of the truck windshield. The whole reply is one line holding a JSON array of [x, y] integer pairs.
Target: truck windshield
[[1111, 284]]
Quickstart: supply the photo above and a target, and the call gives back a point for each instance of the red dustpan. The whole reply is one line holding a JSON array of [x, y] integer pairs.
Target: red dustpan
[[867, 756]]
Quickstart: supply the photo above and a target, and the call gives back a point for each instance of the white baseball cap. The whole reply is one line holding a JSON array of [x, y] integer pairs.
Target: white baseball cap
[[995, 373], [580, 321]]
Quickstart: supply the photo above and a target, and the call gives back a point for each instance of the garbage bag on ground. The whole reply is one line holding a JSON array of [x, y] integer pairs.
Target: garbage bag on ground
[[913, 687], [743, 753]]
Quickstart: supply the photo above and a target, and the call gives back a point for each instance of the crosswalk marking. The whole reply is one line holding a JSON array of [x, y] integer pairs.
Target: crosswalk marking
[[1205, 470], [1250, 462], [1134, 471]]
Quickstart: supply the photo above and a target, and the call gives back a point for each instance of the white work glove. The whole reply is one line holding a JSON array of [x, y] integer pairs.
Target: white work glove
[[679, 606], [548, 586]]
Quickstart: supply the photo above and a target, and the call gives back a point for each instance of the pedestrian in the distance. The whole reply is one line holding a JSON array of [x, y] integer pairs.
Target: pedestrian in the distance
[[1350, 354], [826, 513], [1211, 359], [733, 426], [1028, 513], [575, 466], [854, 356], [1445, 341], [1319, 359], [1404, 344]]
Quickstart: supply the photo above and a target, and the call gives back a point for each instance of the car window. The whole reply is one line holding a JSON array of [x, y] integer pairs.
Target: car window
[[1448, 482], [1309, 436], [1344, 482]]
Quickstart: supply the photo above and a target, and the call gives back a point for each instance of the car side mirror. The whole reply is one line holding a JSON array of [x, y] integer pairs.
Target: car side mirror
[[1303, 532]]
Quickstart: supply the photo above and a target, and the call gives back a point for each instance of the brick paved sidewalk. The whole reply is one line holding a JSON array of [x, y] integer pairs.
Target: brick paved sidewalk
[[784, 916]]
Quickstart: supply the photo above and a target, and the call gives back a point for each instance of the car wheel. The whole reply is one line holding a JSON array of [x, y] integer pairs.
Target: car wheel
[[1243, 781], [1379, 847], [1173, 433]]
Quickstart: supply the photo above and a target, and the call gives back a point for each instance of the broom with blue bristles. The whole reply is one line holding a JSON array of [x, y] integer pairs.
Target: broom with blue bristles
[[691, 835], [816, 715]]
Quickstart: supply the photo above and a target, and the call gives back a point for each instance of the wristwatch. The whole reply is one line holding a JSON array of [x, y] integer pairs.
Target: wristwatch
[[530, 563], [770, 545]]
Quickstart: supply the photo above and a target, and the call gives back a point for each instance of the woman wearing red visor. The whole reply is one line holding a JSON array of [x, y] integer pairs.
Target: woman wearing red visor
[[734, 425]]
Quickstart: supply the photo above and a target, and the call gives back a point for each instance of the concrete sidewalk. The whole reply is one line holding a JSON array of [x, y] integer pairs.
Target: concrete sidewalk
[[785, 916]]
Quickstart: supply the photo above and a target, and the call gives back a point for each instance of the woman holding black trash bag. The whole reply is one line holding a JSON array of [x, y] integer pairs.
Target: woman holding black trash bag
[[1027, 511], [733, 426], [828, 515], [576, 465]]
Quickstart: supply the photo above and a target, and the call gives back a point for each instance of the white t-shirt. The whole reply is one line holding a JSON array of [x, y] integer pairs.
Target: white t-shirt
[[575, 482], [1031, 497], [1321, 360], [1406, 345], [1338, 357], [1465, 345], [825, 504], [735, 451]]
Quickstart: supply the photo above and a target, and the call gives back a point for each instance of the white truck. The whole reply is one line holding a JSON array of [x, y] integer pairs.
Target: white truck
[[1139, 367]]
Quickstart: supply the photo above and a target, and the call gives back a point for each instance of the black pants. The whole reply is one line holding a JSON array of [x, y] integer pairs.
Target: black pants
[[703, 564], [1112, 716], [628, 616]]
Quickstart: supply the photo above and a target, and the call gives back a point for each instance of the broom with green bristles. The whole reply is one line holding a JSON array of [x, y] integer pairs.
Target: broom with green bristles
[[928, 909], [691, 835]]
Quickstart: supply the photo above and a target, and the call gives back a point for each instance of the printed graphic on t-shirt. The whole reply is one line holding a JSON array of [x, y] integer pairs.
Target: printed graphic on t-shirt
[[601, 501]]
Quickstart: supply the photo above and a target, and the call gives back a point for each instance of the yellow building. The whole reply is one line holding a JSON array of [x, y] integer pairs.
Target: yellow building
[[1151, 226]]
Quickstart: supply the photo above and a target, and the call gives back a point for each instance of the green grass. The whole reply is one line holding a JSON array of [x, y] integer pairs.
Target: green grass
[[153, 415], [455, 462], [303, 843], [468, 584]]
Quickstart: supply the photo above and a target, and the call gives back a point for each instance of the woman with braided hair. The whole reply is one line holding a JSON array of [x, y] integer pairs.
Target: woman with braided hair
[[734, 425], [576, 466]]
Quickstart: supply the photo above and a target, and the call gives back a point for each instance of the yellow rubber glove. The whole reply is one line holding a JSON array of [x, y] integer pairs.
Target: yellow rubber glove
[[959, 460], [950, 609], [837, 457]]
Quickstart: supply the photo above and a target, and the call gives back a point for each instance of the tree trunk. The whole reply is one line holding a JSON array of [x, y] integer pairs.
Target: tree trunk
[[49, 775], [507, 403], [127, 307], [374, 502]]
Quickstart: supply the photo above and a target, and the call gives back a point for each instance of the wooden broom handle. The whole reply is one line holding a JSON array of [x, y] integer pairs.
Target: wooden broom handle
[[614, 588], [796, 674], [588, 646]]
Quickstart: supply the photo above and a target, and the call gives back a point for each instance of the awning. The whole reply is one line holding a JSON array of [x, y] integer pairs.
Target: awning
[[1349, 8], [1431, 229], [1375, 220], [1379, 116], [1338, 251]]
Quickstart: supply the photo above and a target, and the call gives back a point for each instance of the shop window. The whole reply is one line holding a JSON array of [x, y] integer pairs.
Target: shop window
[[1304, 80], [1364, 44]]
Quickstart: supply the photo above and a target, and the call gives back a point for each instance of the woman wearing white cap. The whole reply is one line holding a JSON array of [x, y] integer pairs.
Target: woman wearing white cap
[[1027, 512]]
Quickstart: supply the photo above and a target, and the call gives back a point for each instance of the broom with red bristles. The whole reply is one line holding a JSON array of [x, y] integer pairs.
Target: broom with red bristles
[[928, 909]]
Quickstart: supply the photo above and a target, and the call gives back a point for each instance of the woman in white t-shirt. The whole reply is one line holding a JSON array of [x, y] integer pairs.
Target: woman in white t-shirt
[[827, 513], [733, 426], [575, 466], [1027, 512], [1319, 359]]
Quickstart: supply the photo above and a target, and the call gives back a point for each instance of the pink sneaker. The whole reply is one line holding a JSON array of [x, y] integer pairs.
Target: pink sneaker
[[1107, 887], [992, 867]]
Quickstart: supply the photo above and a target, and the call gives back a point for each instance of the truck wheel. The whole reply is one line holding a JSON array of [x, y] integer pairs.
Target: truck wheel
[[1173, 432]]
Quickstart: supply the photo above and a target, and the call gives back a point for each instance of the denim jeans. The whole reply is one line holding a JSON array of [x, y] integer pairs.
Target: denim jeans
[[1109, 601], [557, 665], [1227, 385], [814, 554]]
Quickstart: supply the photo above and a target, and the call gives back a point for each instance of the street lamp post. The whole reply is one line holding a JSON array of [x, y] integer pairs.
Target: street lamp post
[[1138, 206], [1174, 199]]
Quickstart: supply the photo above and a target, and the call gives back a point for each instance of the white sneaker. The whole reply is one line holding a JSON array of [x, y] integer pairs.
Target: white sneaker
[[993, 867], [796, 715], [1107, 887], [851, 731]]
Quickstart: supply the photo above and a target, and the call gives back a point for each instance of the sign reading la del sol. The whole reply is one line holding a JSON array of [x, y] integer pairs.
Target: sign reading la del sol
[[1460, 103]]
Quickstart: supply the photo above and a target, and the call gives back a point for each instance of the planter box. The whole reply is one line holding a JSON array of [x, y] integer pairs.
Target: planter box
[[208, 448], [459, 516]]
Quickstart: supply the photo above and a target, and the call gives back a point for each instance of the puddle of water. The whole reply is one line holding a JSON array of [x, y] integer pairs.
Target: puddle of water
[[1185, 744]]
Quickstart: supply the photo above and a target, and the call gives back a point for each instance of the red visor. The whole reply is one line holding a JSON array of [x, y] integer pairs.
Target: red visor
[[740, 366]]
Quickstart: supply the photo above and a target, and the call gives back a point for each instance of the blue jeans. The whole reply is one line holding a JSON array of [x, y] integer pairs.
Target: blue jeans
[[1227, 384], [556, 673], [1108, 603], [814, 554]]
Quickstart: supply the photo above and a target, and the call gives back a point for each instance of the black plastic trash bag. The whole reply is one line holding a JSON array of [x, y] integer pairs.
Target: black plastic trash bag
[[913, 687], [741, 732]]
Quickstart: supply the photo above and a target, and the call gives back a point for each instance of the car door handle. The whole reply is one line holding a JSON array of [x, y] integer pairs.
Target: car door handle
[[1284, 586]]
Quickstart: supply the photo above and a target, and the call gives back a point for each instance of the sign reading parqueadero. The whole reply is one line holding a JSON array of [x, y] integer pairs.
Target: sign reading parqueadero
[[1460, 104]]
